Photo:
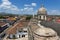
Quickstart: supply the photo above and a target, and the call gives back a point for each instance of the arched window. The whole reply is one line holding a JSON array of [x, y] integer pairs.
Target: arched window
[[19, 36], [40, 17], [23, 35]]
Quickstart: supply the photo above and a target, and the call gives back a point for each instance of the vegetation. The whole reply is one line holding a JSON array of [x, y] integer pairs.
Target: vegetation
[[29, 17], [1, 17], [8, 14]]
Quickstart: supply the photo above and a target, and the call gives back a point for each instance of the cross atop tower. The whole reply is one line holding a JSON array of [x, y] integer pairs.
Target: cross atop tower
[[42, 5]]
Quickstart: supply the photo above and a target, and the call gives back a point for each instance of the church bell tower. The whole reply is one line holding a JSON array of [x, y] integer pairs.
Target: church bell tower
[[42, 13]]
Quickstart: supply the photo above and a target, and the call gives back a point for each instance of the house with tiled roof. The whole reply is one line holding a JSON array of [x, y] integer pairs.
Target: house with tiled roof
[[3, 28], [19, 30]]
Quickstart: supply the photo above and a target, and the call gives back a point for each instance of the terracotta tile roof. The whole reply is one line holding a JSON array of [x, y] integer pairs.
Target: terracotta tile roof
[[19, 25], [2, 23], [11, 18]]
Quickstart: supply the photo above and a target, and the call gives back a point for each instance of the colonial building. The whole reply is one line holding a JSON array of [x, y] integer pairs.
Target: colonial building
[[18, 31]]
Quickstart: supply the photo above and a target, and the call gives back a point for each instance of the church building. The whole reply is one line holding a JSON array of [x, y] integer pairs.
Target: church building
[[42, 13]]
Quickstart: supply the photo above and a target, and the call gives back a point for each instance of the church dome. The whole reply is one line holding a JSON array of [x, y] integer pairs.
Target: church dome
[[42, 10], [45, 32]]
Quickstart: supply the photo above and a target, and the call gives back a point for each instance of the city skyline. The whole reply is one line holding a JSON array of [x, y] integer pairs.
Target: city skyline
[[29, 6]]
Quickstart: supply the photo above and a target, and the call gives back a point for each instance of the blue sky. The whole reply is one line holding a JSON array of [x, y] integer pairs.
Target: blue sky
[[29, 6]]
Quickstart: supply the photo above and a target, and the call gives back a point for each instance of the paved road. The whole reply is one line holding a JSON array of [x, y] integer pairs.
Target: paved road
[[55, 26]]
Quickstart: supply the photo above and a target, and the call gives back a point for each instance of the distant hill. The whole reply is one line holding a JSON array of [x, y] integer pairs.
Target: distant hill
[[7, 14]]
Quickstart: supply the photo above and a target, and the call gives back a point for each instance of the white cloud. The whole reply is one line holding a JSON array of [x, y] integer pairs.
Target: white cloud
[[27, 10], [33, 4], [54, 12], [29, 5], [6, 4], [21, 9]]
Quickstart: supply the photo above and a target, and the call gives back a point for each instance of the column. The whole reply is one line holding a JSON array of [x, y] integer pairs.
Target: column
[[42, 17], [45, 18]]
